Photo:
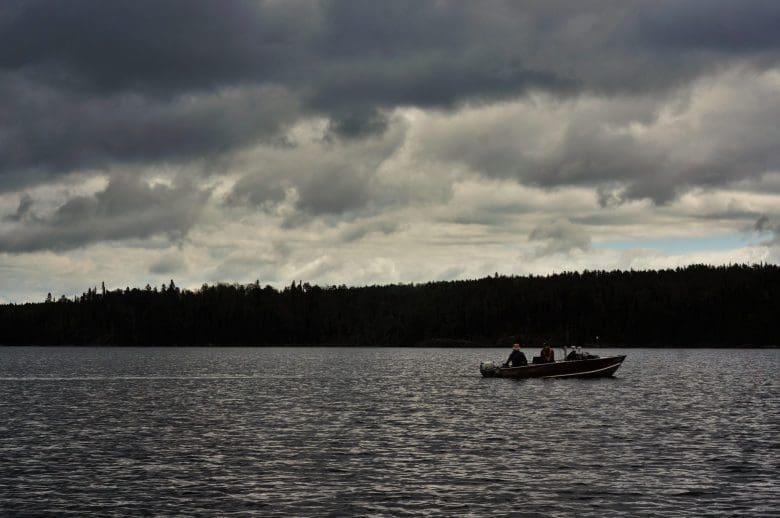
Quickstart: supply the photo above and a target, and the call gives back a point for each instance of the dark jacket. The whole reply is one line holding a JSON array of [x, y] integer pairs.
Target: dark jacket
[[517, 359]]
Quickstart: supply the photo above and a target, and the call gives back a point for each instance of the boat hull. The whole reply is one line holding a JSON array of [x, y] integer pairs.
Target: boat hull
[[590, 368]]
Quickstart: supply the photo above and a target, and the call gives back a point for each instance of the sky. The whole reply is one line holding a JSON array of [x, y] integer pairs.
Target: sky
[[365, 143]]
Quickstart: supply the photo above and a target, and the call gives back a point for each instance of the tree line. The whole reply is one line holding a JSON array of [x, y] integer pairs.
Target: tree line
[[699, 305]]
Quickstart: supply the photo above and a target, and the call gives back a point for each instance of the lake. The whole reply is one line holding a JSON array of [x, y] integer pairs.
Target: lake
[[384, 431]]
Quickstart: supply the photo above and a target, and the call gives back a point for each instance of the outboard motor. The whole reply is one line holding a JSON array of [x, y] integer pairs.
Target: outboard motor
[[487, 367]]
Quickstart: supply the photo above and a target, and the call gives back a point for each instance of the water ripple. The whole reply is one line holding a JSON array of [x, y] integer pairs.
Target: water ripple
[[401, 432]]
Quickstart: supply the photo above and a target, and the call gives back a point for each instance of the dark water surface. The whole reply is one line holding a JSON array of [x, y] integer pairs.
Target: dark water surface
[[318, 431]]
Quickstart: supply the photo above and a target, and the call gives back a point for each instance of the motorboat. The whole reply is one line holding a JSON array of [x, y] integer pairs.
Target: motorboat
[[583, 366]]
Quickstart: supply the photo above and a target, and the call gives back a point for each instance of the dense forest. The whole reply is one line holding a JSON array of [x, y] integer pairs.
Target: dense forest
[[694, 306]]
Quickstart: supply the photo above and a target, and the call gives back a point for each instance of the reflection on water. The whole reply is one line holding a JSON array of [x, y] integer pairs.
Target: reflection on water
[[315, 431]]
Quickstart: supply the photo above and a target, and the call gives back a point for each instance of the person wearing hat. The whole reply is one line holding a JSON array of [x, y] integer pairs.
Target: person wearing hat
[[517, 358]]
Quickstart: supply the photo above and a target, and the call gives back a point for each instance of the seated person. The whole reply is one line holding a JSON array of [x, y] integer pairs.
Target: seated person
[[547, 354], [517, 358]]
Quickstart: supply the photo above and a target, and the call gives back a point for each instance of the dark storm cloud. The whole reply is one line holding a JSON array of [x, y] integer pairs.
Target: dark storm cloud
[[127, 208], [725, 25], [90, 83], [319, 177], [327, 189], [589, 153], [161, 47], [767, 227], [66, 131]]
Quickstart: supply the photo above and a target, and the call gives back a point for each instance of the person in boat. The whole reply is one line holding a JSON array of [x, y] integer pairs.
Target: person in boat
[[517, 358], [547, 354], [575, 354]]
